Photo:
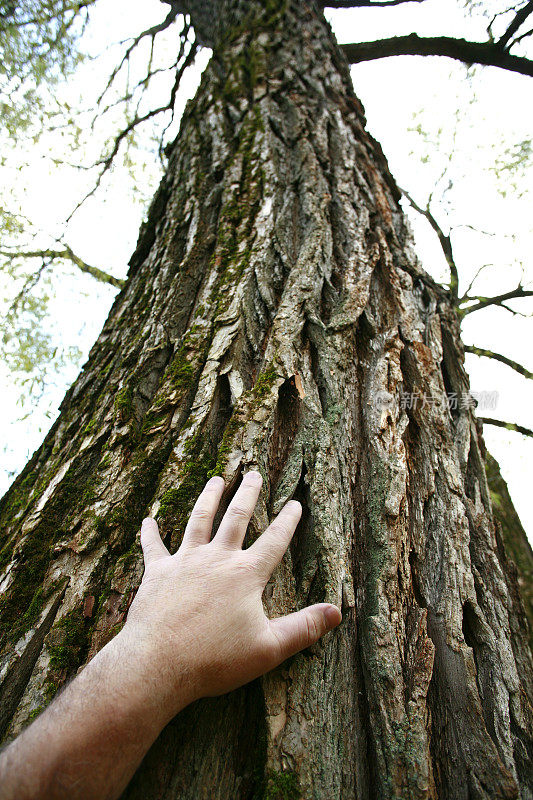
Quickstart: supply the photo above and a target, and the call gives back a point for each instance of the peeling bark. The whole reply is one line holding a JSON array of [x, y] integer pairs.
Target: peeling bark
[[274, 317]]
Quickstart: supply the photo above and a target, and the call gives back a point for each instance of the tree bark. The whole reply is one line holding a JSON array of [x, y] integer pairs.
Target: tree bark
[[519, 554], [275, 317]]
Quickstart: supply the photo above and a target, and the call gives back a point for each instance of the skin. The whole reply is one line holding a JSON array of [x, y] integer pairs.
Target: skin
[[196, 628]]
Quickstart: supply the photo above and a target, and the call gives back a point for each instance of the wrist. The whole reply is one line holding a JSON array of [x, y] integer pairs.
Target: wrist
[[158, 683]]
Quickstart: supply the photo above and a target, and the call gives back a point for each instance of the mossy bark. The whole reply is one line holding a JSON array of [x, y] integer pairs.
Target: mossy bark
[[515, 544], [275, 317]]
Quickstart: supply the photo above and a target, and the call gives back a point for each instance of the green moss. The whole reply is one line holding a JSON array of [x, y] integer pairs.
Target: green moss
[[282, 786], [264, 383], [19, 494], [69, 642], [35, 713], [181, 371], [129, 558], [176, 503], [90, 428], [20, 606], [226, 445], [124, 403]]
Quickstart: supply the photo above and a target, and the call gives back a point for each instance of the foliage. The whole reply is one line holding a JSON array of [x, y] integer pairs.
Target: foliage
[[38, 48]]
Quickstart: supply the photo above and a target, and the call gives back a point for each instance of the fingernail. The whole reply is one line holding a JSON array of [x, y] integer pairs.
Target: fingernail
[[295, 504], [146, 521], [333, 616], [253, 478], [214, 480]]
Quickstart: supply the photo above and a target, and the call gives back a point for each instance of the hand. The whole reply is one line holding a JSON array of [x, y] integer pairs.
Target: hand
[[196, 627], [200, 613]]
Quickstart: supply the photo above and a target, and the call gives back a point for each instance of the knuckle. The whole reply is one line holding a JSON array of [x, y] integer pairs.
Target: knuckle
[[239, 512], [279, 530], [313, 633], [200, 515], [246, 566]]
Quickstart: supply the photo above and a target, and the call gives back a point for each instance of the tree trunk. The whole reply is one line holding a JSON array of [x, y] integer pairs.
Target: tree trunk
[[518, 552], [275, 317]]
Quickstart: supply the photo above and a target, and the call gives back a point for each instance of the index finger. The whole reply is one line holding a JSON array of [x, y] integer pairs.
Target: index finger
[[200, 524]]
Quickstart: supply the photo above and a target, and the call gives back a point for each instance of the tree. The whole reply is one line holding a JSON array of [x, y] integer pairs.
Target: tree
[[275, 316]]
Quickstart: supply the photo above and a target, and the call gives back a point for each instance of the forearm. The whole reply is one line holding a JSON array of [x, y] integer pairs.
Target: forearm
[[92, 738]]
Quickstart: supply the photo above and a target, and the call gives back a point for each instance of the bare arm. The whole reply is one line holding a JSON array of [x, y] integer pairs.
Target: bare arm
[[196, 628]]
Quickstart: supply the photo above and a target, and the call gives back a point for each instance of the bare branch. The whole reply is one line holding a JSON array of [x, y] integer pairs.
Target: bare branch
[[522, 36], [498, 300], [476, 276], [445, 243], [66, 254], [510, 426], [518, 21], [152, 32], [108, 160], [479, 351], [487, 53]]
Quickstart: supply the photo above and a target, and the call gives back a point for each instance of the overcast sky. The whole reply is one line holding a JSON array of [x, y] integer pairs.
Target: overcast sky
[[475, 119]]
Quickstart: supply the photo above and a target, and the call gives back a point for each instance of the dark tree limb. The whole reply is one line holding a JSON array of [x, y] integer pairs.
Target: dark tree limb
[[510, 426], [518, 20], [486, 53], [480, 351], [498, 300]]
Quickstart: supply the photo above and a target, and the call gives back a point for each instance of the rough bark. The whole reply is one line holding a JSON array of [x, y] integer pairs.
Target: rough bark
[[519, 554], [274, 317]]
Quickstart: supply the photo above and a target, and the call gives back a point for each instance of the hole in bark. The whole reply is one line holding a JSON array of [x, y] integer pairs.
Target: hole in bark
[[449, 390], [286, 422], [221, 410], [469, 624], [413, 562], [302, 534]]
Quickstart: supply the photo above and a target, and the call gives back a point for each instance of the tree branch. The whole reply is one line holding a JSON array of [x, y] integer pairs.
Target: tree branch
[[519, 19], [445, 243], [499, 300], [479, 351], [107, 161], [510, 426], [487, 53], [67, 254]]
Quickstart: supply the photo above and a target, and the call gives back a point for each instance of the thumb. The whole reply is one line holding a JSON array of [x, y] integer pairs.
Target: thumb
[[303, 628], [153, 547]]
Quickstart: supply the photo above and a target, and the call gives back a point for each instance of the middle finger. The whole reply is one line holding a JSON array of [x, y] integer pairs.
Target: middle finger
[[232, 529]]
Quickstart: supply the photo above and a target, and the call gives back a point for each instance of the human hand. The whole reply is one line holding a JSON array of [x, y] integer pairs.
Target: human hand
[[199, 612]]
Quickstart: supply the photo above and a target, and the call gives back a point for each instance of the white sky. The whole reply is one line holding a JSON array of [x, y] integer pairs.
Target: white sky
[[392, 90]]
